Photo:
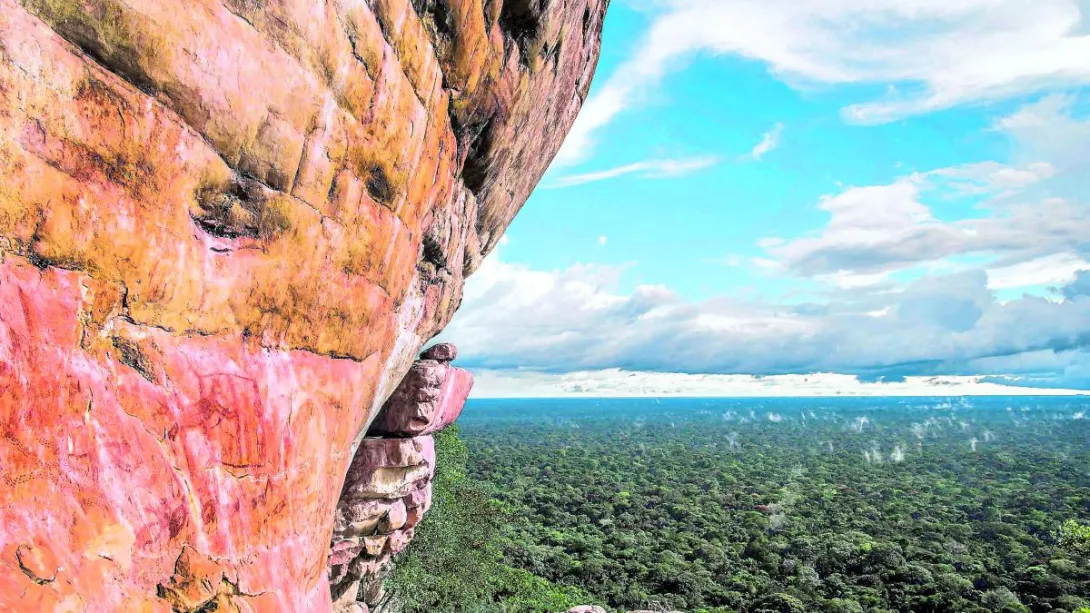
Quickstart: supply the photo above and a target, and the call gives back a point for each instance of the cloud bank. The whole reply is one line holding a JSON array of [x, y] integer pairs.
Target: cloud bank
[[615, 383]]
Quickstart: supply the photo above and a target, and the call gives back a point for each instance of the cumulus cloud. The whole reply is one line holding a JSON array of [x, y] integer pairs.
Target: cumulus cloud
[[1028, 226], [1028, 229], [935, 54], [651, 169], [916, 287], [578, 320], [1055, 269], [875, 230]]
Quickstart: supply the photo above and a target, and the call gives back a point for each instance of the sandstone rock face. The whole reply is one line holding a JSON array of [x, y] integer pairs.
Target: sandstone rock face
[[226, 227], [429, 398], [386, 493], [388, 488]]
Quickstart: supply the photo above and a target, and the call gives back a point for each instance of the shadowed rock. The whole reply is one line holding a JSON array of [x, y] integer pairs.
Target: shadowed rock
[[389, 484], [443, 352], [386, 493]]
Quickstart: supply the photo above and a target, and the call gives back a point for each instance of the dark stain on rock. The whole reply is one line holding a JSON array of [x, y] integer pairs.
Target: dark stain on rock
[[378, 186], [131, 355], [521, 20], [242, 210]]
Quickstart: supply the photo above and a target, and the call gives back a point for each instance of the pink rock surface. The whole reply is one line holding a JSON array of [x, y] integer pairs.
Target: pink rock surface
[[443, 352], [226, 229], [133, 471], [417, 504], [429, 398]]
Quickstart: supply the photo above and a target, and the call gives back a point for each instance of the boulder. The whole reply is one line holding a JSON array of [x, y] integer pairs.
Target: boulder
[[442, 352], [429, 398]]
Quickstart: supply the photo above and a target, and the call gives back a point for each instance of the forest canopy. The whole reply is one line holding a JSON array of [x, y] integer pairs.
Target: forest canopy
[[760, 506]]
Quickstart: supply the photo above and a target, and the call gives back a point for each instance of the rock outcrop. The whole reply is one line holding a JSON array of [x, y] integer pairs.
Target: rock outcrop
[[429, 398], [389, 484], [226, 227], [387, 492]]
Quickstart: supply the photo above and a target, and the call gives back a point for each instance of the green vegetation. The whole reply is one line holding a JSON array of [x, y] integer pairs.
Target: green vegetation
[[454, 562], [844, 509], [1075, 538]]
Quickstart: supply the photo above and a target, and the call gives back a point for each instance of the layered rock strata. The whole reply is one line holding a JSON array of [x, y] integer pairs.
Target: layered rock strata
[[386, 494], [226, 227], [389, 484]]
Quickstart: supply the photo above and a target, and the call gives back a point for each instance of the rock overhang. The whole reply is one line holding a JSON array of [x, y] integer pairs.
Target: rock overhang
[[226, 229]]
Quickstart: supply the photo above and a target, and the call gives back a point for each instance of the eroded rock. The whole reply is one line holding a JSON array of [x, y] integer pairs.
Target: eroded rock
[[226, 228], [389, 484], [429, 398]]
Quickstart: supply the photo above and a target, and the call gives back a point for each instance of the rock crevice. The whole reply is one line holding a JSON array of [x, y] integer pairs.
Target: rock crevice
[[389, 484]]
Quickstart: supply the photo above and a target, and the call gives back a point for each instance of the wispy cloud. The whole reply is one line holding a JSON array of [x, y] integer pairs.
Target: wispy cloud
[[651, 169], [940, 54], [769, 141]]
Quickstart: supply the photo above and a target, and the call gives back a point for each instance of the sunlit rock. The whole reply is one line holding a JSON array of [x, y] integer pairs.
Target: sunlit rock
[[226, 229]]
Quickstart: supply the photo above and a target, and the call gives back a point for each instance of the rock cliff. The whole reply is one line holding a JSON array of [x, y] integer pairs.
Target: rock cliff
[[226, 228]]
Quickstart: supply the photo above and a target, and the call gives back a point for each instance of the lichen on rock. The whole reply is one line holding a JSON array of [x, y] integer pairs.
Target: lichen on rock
[[226, 228]]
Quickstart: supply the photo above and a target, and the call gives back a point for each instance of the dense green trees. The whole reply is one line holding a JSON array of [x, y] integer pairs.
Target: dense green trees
[[838, 511], [454, 562], [1075, 538]]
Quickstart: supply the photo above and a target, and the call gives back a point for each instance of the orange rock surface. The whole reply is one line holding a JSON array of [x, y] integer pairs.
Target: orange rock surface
[[226, 228]]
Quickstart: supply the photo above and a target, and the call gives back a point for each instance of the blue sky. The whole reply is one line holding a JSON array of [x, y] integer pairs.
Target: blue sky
[[864, 193]]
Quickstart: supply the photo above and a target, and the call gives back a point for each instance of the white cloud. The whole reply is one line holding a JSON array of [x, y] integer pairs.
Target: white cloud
[[652, 169], [769, 141], [877, 230], [618, 383], [938, 53], [579, 320], [602, 240], [1051, 270], [970, 230], [993, 177]]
